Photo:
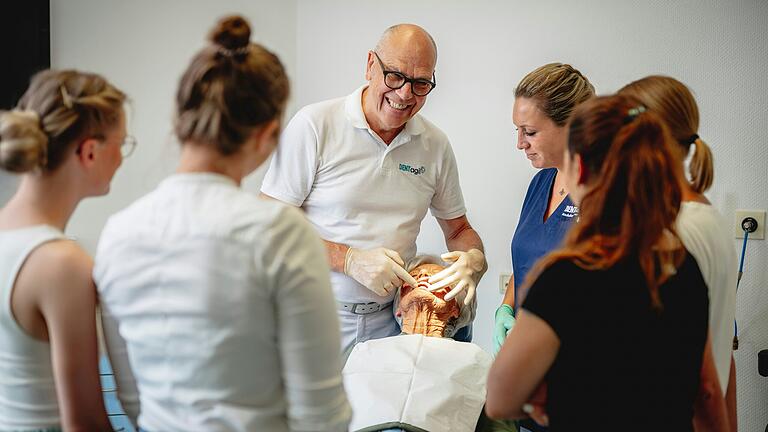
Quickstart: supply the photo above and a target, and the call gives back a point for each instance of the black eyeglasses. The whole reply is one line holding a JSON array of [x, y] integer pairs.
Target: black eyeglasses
[[396, 80]]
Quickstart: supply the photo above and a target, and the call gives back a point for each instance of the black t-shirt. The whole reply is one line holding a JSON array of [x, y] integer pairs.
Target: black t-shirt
[[622, 365]]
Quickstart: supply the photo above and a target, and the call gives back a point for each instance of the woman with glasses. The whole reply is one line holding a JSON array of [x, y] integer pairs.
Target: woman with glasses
[[64, 140], [217, 307]]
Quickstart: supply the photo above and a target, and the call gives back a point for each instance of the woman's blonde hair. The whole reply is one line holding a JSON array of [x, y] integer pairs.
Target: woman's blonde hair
[[231, 88], [59, 108], [674, 102], [557, 88]]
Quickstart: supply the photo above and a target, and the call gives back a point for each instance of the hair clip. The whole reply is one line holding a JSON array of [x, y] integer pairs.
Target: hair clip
[[65, 97], [634, 112], [233, 52]]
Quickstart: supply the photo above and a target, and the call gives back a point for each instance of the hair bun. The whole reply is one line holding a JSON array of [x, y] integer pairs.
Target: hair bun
[[231, 32], [23, 143]]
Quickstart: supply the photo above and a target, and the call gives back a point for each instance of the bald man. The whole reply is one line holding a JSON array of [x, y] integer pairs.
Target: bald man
[[365, 168]]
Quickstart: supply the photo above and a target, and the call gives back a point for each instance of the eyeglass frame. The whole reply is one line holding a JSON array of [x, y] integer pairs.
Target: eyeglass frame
[[405, 78], [128, 142]]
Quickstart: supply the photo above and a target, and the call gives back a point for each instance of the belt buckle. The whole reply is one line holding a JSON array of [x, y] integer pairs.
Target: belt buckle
[[366, 306]]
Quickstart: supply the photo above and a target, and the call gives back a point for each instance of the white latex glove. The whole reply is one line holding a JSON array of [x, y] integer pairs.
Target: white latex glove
[[464, 273], [380, 270]]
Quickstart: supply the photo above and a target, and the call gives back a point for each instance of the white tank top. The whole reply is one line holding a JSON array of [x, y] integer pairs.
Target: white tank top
[[27, 389]]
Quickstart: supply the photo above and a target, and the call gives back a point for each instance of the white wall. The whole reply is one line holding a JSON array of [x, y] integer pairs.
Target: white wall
[[143, 47], [486, 47], [717, 48]]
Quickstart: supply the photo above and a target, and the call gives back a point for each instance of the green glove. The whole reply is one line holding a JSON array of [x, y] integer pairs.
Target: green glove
[[505, 320]]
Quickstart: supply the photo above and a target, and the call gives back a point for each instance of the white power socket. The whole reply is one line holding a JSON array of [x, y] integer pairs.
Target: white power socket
[[758, 215], [503, 282]]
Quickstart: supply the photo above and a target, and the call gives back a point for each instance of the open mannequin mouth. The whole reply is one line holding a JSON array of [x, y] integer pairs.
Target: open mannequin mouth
[[425, 312]]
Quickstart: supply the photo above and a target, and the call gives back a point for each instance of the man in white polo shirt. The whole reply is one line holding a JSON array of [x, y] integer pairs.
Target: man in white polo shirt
[[365, 168]]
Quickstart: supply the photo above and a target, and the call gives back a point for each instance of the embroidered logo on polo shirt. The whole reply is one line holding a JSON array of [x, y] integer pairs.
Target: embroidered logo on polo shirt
[[413, 170], [570, 211]]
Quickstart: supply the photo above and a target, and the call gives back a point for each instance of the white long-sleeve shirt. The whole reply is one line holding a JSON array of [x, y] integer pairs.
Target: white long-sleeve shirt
[[221, 305]]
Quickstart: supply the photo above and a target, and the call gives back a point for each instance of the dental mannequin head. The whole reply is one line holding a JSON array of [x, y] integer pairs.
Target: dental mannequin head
[[424, 312]]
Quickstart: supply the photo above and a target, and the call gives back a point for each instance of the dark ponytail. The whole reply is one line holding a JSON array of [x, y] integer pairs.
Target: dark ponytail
[[634, 191]]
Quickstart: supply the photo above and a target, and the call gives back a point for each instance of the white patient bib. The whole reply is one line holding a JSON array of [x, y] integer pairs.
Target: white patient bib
[[414, 381]]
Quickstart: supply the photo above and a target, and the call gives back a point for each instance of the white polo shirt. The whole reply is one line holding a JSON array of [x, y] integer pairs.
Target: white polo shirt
[[358, 191]]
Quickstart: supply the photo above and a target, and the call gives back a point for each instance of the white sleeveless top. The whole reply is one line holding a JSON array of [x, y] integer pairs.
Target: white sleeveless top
[[27, 389], [704, 233]]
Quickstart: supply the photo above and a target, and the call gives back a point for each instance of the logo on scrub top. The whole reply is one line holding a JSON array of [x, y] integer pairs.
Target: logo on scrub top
[[570, 211], [413, 170]]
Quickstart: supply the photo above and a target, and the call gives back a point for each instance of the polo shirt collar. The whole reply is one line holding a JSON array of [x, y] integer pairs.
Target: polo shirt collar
[[353, 105]]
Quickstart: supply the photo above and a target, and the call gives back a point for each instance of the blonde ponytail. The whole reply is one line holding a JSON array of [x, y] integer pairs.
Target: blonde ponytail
[[701, 167], [674, 102]]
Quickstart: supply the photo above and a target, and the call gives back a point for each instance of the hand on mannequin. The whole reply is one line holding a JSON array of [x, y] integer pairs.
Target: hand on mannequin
[[505, 320], [467, 267], [380, 269]]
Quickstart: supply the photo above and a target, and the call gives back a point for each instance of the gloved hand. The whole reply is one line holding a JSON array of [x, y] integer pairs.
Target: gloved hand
[[505, 320], [464, 272], [380, 270]]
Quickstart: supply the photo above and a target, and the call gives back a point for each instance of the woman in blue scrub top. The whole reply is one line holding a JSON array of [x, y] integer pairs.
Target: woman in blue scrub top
[[544, 101]]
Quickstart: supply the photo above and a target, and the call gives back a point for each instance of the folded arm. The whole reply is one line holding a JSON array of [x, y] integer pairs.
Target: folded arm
[[710, 414], [520, 366]]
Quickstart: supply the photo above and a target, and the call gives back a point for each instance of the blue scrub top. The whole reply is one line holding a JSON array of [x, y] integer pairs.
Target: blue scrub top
[[535, 237]]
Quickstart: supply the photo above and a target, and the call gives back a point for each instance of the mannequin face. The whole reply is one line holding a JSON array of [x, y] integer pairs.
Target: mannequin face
[[425, 312]]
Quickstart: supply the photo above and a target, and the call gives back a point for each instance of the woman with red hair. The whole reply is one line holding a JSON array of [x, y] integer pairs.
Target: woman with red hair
[[639, 355]]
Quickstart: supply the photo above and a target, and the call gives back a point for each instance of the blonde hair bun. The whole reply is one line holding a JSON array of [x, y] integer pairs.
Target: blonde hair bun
[[23, 143], [558, 88], [231, 32]]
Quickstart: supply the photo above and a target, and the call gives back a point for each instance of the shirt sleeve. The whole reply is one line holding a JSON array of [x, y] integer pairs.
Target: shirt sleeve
[[448, 201], [552, 297], [307, 327], [291, 172], [127, 391]]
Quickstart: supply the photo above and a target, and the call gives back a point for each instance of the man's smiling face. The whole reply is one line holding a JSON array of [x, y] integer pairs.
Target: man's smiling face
[[387, 110]]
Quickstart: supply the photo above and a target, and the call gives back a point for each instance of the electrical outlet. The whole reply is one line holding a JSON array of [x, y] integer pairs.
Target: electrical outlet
[[503, 282], [758, 215]]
